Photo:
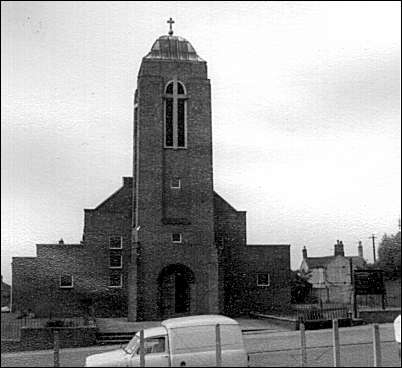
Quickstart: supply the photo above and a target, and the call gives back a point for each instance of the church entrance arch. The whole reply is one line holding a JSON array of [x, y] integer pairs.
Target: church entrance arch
[[176, 291]]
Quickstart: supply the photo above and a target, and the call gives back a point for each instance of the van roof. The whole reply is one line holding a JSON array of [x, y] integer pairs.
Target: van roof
[[153, 331], [202, 320]]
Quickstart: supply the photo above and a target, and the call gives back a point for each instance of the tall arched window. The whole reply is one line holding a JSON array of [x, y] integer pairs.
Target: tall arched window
[[175, 115]]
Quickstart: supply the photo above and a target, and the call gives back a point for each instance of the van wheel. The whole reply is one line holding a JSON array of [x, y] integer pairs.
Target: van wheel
[[182, 364]]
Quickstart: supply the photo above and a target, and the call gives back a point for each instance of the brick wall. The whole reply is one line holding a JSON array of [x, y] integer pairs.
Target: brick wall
[[379, 316], [156, 201], [240, 263], [70, 337], [272, 259], [36, 280]]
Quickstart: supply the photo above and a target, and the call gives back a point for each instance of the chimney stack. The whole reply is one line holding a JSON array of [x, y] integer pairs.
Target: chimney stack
[[360, 249], [304, 252], [338, 247]]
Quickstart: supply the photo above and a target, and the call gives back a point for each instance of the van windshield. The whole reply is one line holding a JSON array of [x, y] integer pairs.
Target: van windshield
[[133, 345]]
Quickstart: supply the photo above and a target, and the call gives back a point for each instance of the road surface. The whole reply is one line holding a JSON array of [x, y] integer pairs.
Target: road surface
[[269, 348]]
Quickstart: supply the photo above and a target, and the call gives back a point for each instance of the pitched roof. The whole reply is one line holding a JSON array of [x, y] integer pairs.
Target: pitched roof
[[359, 262], [322, 262], [319, 262]]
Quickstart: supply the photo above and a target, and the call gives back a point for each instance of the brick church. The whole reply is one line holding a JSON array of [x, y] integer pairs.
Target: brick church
[[164, 244]]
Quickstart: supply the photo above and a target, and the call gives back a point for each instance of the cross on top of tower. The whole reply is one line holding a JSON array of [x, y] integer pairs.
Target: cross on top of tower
[[170, 21]]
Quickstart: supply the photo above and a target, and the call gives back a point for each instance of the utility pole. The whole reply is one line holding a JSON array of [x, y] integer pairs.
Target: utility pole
[[373, 237]]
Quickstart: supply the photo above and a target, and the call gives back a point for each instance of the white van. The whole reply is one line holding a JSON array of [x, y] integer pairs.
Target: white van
[[179, 342]]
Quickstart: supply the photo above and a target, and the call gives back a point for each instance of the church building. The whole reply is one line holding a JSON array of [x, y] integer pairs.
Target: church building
[[164, 244]]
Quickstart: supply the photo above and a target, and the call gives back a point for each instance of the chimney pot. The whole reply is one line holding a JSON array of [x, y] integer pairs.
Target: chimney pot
[[360, 249], [338, 249]]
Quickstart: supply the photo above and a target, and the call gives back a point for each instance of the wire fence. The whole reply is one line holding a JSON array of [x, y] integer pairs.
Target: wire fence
[[377, 352], [352, 354]]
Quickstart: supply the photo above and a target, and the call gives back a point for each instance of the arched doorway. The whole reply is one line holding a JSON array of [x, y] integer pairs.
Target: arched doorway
[[176, 291]]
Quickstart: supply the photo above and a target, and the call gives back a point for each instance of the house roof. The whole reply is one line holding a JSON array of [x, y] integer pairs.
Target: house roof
[[318, 262], [359, 262], [322, 262]]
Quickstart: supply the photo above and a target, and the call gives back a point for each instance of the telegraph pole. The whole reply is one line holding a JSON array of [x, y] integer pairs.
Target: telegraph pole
[[373, 237]]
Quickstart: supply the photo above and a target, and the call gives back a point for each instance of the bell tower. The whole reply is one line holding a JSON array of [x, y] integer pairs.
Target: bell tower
[[174, 266]]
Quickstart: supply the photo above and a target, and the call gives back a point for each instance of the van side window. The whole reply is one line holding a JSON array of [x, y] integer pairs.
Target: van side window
[[155, 345]]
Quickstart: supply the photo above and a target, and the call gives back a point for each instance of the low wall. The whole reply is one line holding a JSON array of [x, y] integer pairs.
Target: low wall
[[379, 315], [70, 337], [325, 323], [287, 322], [9, 346]]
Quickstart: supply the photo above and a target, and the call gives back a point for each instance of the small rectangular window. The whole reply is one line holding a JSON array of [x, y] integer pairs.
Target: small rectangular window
[[263, 279], [175, 183], [116, 260], [115, 242], [176, 238], [116, 280], [66, 281]]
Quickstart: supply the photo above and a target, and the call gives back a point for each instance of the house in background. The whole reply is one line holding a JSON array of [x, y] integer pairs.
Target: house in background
[[330, 276]]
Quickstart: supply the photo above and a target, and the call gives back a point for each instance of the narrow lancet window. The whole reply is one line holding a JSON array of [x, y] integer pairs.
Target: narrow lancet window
[[181, 139], [175, 115], [169, 123]]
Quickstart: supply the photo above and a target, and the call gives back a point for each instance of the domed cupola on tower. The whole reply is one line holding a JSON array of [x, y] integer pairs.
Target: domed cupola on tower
[[172, 48]]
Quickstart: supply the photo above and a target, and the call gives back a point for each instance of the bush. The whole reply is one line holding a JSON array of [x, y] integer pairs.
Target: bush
[[300, 289], [389, 254]]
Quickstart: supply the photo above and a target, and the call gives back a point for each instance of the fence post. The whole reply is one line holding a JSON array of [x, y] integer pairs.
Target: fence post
[[218, 346], [335, 339], [56, 348], [303, 344], [142, 349], [376, 346]]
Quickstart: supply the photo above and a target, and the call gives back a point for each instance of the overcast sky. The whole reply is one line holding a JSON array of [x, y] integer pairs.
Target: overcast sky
[[305, 113]]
